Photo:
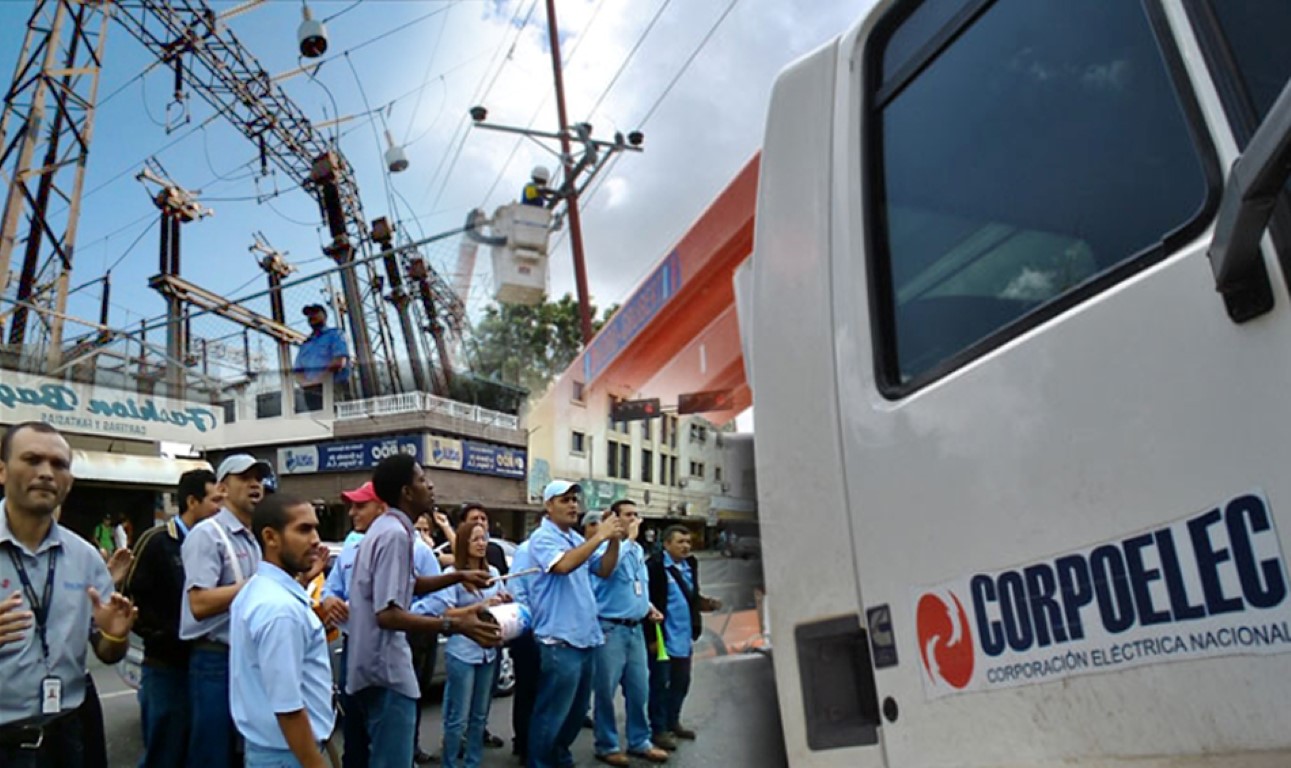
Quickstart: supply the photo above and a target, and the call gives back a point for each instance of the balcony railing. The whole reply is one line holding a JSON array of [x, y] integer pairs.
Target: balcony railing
[[422, 402]]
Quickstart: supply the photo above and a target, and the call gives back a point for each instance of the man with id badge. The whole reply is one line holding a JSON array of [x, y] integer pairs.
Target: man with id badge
[[51, 581], [623, 607]]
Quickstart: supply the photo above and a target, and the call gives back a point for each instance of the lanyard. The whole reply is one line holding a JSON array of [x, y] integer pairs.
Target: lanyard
[[41, 608], [179, 523]]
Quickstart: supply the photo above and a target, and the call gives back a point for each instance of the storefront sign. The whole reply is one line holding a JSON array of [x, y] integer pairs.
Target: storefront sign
[[445, 453], [600, 494], [487, 459], [96, 410], [345, 456]]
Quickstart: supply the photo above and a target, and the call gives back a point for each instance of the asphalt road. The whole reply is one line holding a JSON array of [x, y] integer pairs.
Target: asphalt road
[[731, 704]]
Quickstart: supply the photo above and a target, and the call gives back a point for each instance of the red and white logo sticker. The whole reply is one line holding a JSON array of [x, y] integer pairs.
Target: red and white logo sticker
[[945, 639]]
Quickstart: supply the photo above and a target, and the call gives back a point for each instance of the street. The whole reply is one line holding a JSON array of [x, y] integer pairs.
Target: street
[[731, 703]]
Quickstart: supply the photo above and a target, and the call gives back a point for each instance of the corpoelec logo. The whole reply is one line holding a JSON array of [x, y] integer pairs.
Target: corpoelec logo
[[61, 405]]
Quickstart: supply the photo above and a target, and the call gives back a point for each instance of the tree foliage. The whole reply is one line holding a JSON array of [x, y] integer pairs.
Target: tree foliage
[[529, 346]]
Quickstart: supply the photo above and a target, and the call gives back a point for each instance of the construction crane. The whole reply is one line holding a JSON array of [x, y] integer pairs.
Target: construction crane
[[50, 107]]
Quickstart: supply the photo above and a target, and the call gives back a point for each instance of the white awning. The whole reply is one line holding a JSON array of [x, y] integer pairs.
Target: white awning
[[127, 468]]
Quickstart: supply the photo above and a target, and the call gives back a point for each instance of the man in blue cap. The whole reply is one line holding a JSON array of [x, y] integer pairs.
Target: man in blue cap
[[321, 355], [564, 622]]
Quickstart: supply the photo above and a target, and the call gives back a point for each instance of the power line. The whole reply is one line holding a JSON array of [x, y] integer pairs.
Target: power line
[[128, 249], [686, 65], [628, 59]]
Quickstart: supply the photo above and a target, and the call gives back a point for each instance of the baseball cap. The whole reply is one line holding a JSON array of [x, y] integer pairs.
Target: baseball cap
[[593, 516], [361, 495], [239, 463], [312, 308], [559, 488]]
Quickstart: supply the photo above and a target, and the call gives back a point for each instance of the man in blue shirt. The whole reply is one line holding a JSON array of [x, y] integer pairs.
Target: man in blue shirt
[[280, 686], [564, 622], [324, 353], [623, 606], [674, 590]]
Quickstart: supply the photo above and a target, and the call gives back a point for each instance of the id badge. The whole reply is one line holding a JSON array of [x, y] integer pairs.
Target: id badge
[[636, 587], [51, 696]]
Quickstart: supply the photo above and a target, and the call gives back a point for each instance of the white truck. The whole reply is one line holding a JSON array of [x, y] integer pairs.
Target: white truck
[[1018, 330]]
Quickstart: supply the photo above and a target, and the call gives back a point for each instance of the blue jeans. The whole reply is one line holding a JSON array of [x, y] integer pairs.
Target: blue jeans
[[564, 692], [621, 661], [669, 684], [269, 757], [163, 715], [210, 730], [391, 719], [468, 694], [354, 726]]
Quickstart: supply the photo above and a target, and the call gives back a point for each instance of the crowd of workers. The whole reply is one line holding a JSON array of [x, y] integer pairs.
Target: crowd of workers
[[237, 662]]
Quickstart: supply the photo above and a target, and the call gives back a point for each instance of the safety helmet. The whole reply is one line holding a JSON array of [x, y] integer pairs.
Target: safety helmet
[[540, 173]]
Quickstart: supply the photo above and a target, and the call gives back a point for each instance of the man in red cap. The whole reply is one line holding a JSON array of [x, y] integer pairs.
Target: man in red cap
[[364, 508]]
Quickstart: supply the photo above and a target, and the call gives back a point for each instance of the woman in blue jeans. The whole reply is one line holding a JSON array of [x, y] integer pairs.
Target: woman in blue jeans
[[469, 668]]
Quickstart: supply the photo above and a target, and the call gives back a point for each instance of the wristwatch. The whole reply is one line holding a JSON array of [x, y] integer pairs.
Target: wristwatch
[[447, 629]]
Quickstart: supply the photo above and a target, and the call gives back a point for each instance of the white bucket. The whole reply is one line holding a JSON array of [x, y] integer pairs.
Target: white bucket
[[514, 619]]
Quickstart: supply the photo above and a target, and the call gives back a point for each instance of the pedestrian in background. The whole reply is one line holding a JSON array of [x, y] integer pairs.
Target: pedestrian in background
[[281, 686], [674, 590], [155, 583], [43, 629]]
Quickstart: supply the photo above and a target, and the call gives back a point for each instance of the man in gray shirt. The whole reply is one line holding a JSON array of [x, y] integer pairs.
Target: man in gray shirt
[[379, 668], [49, 609], [220, 554]]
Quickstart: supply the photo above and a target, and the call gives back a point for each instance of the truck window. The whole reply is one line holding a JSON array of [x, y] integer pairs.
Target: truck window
[[1024, 154]]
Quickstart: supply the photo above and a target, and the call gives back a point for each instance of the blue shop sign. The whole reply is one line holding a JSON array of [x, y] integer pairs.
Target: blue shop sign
[[500, 460], [345, 456]]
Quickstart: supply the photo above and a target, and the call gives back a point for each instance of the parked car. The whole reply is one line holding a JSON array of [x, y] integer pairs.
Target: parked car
[[744, 547]]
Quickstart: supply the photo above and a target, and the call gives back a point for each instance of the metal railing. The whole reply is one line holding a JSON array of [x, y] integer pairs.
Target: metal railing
[[422, 402]]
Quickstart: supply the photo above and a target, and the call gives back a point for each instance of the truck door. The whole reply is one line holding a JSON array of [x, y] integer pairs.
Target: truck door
[[1066, 454]]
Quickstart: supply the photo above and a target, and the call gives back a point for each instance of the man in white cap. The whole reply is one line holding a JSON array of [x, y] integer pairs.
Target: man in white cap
[[219, 554], [564, 622]]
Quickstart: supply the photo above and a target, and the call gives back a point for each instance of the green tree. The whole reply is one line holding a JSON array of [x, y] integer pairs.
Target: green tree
[[529, 346]]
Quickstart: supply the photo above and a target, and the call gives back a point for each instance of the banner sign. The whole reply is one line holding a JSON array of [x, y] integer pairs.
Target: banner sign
[[86, 408], [445, 453], [488, 459], [627, 322], [345, 456], [1210, 584]]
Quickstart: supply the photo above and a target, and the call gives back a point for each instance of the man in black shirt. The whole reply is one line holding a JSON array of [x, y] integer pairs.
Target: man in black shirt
[[156, 584]]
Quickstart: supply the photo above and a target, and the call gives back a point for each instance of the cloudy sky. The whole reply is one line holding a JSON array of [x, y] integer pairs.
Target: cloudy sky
[[419, 65]]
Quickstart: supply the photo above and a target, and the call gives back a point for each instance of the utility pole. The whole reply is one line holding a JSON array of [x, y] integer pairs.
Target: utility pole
[[567, 160]]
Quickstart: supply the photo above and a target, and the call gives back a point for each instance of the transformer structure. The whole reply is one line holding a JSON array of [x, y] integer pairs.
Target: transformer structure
[[45, 138], [46, 130]]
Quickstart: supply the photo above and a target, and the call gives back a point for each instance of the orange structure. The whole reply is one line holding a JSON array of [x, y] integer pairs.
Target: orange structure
[[678, 331]]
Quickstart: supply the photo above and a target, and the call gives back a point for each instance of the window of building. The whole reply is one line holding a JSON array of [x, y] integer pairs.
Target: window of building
[[615, 426], [673, 480], [268, 405], [698, 433], [1080, 90], [646, 430], [697, 469], [578, 443], [578, 394], [717, 474], [647, 466], [625, 461], [230, 411], [611, 459]]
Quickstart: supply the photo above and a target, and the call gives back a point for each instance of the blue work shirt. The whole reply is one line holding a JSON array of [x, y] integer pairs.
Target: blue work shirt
[[383, 577], [676, 626], [563, 605], [321, 348], [424, 563], [77, 565], [519, 587], [438, 603], [278, 661], [625, 594], [208, 563]]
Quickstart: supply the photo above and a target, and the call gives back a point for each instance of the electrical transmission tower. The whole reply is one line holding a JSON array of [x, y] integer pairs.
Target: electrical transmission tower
[[50, 107]]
